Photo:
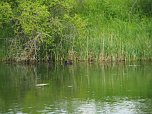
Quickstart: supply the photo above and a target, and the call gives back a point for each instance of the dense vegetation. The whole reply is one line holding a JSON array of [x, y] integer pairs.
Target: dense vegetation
[[110, 30]]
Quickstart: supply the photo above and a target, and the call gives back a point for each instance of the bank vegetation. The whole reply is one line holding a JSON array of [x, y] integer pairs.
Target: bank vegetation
[[75, 30]]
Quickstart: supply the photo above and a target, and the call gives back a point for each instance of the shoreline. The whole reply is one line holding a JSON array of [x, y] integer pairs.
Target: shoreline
[[71, 62]]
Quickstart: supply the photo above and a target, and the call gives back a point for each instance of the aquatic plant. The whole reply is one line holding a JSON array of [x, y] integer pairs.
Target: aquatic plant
[[92, 30]]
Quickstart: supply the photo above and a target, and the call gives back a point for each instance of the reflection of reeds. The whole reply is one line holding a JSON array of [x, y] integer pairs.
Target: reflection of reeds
[[18, 75]]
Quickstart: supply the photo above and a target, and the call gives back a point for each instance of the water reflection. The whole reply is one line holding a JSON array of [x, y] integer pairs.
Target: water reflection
[[120, 106], [79, 89]]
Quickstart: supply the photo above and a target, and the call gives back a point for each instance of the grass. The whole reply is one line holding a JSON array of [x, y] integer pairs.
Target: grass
[[115, 33]]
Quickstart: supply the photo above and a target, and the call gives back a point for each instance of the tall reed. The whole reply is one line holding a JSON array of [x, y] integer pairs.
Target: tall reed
[[115, 32]]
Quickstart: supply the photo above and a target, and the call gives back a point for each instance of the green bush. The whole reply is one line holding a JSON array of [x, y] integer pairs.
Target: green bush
[[42, 28]]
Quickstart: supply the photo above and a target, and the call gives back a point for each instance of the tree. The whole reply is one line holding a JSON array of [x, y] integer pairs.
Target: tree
[[44, 28]]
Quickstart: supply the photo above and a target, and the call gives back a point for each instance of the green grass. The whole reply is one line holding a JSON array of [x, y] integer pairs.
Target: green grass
[[115, 32]]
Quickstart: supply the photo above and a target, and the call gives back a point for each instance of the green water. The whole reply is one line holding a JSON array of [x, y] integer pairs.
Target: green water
[[76, 89]]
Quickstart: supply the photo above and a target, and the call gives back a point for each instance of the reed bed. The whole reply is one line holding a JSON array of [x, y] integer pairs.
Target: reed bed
[[117, 30]]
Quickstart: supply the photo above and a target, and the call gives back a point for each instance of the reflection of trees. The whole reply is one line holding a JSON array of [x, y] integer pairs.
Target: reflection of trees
[[100, 81], [15, 81], [69, 84]]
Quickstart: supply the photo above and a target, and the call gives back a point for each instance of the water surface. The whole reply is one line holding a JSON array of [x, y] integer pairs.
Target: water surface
[[76, 89]]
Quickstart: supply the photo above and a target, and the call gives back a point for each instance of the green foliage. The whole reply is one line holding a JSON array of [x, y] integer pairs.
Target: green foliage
[[42, 28], [119, 29], [33, 18], [78, 29], [143, 6], [6, 13]]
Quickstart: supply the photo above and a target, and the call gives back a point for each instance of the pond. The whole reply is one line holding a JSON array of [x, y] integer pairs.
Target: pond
[[76, 89]]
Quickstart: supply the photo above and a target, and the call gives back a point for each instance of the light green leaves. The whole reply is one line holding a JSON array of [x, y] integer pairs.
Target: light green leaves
[[34, 17], [5, 12]]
